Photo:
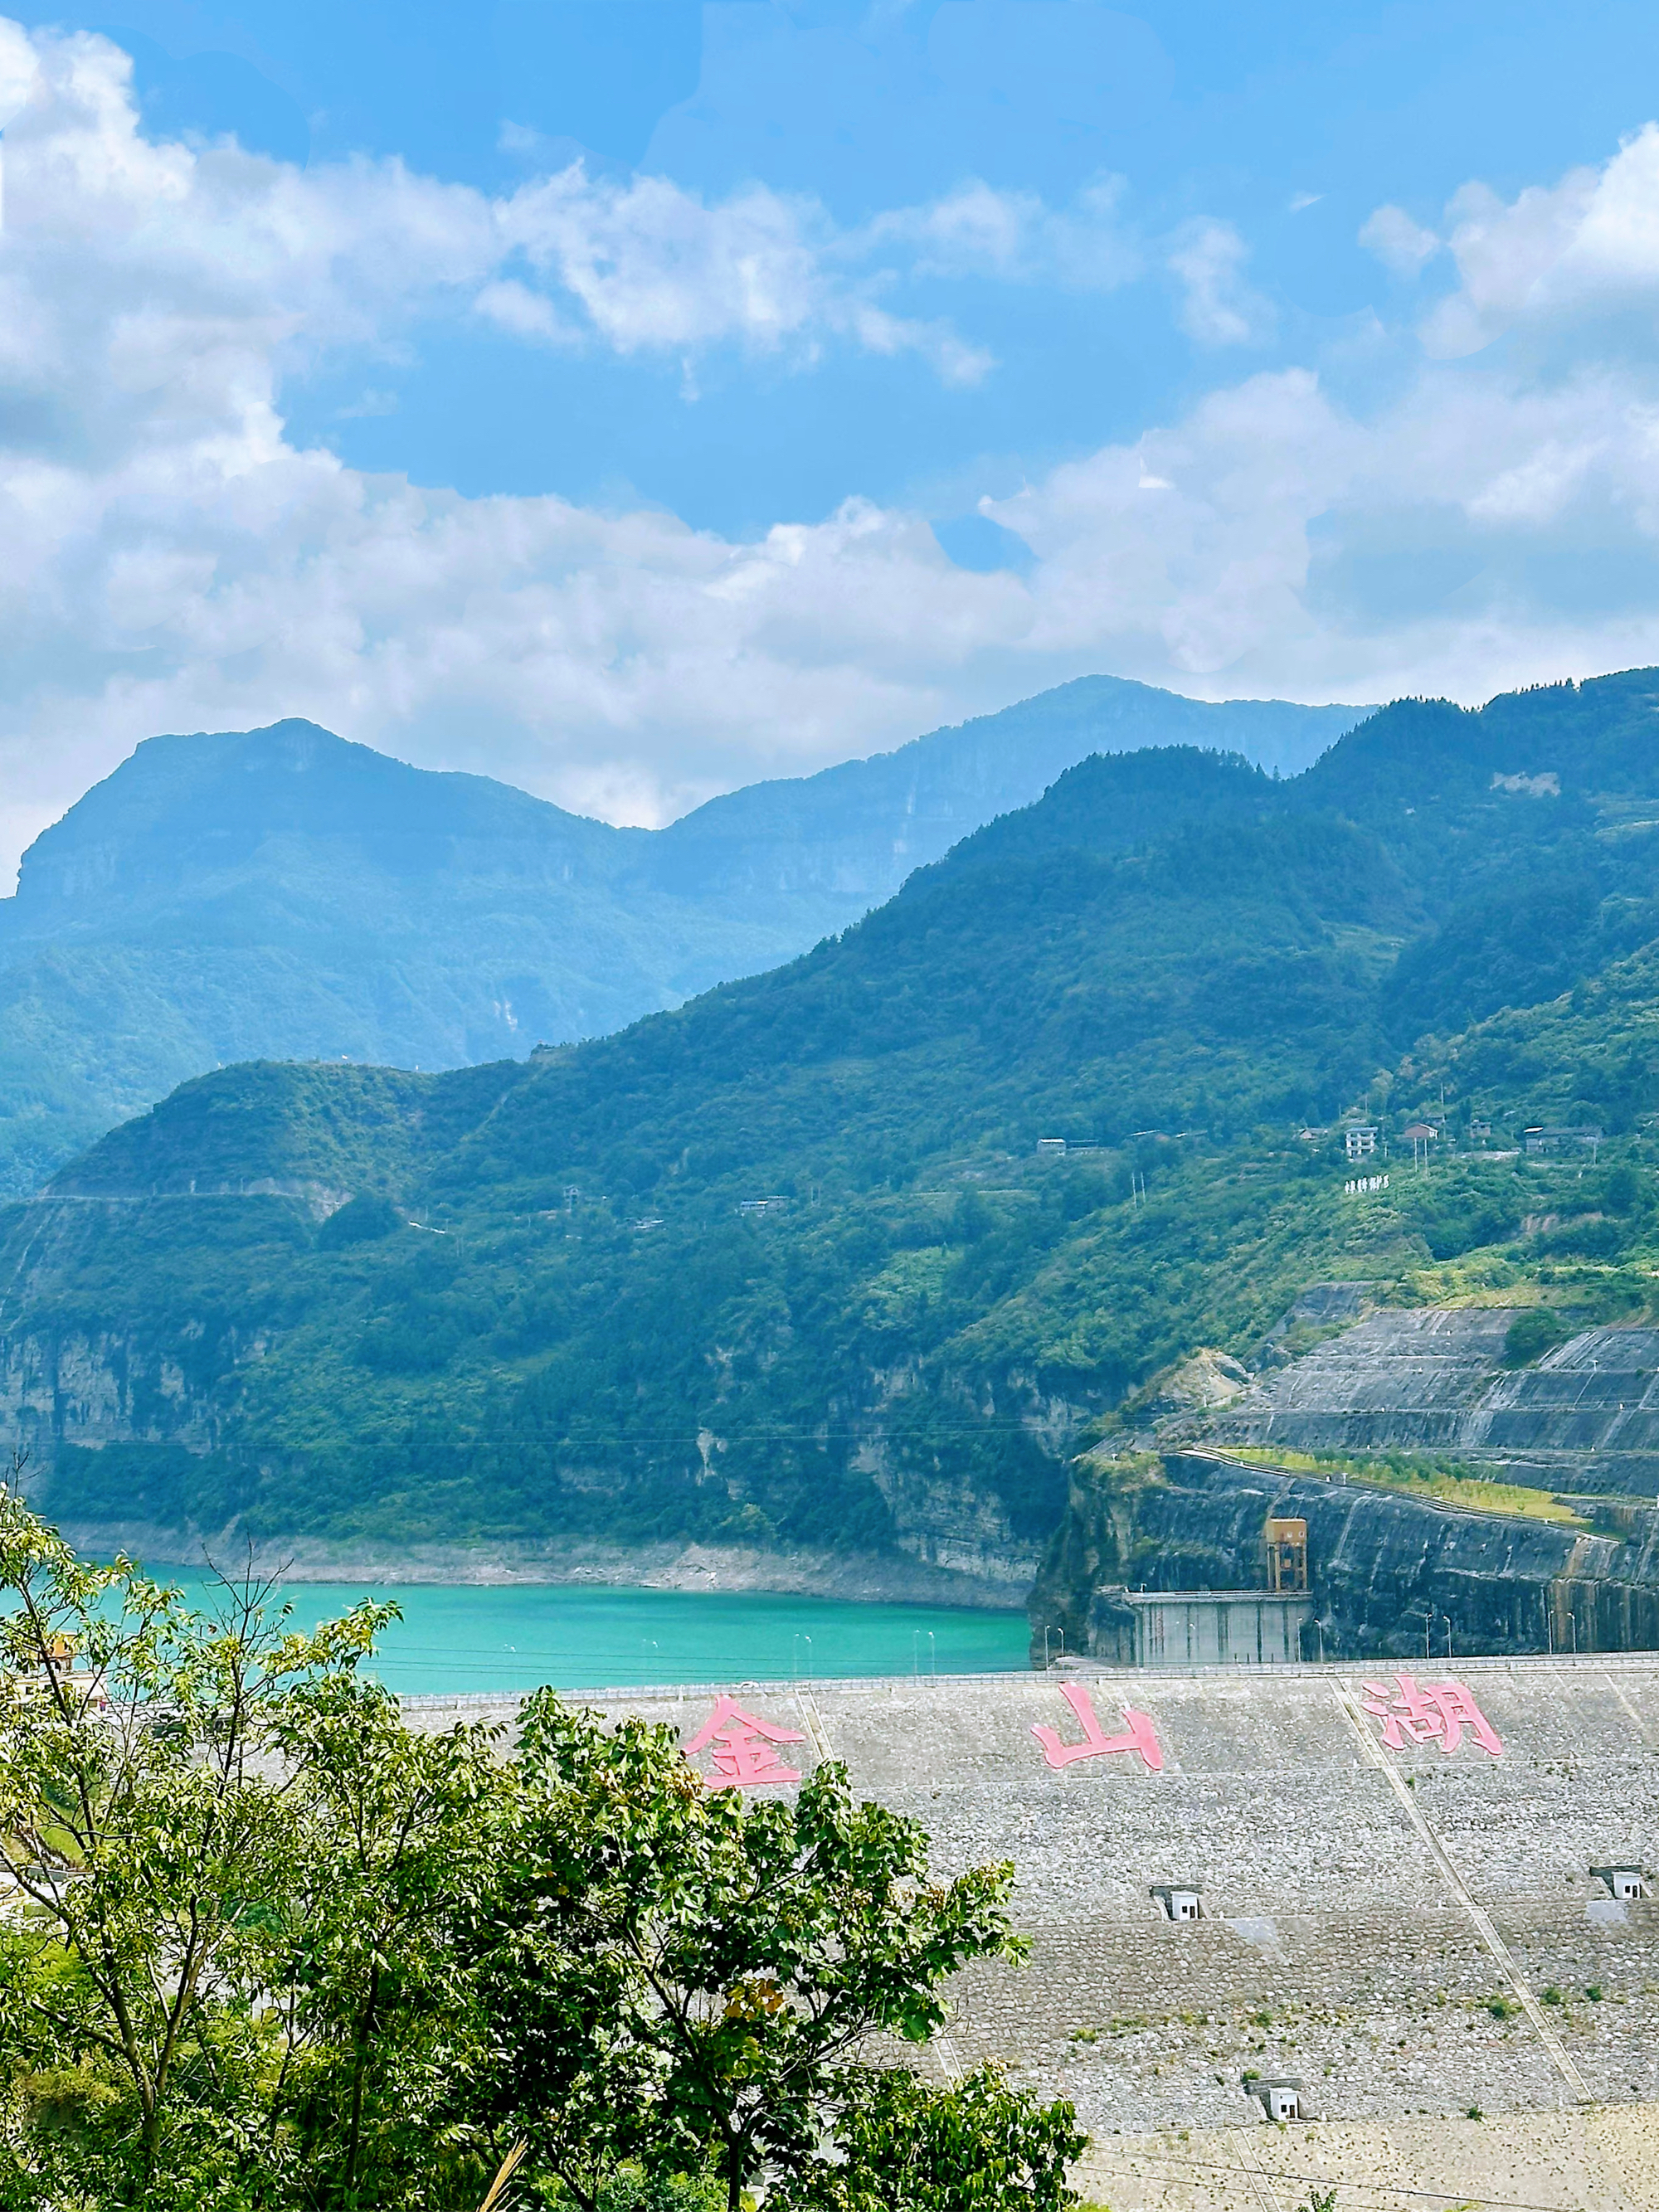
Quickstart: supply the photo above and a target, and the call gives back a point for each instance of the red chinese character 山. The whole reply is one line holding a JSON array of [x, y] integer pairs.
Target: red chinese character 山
[[1438, 1713], [744, 1754], [1140, 1735]]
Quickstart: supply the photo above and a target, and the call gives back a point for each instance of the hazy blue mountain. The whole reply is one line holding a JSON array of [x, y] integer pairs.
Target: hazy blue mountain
[[282, 894], [856, 831]]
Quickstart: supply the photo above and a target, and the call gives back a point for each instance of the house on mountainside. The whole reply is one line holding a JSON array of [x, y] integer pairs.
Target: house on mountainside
[[1420, 1135], [1558, 1140]]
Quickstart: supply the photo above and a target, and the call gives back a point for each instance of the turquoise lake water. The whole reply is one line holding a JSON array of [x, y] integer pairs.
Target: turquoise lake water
[[477, 1637]]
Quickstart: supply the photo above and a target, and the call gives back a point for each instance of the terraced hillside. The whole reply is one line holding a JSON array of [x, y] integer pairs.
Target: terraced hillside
[[1585, 1417]]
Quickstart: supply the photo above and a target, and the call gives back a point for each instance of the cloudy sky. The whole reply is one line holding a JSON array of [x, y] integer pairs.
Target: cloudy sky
[[634, 397]]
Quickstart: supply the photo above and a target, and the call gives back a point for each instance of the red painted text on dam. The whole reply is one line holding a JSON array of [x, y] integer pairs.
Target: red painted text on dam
[[1438, 1713], [1140, 1734], [743, 1755]]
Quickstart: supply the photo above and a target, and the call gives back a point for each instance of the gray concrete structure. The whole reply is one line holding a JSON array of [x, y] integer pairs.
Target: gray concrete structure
[[1584, 1419], [1394, 1914], [1206, 1628]]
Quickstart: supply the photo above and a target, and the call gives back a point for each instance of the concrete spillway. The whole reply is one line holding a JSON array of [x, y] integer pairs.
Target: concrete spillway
[[1408, 1926]]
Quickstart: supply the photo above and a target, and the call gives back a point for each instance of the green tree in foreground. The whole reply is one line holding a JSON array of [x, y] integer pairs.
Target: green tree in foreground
[[674, 1975], [403, 1830], [976, 2143], [263, 1948], [152, 1852]]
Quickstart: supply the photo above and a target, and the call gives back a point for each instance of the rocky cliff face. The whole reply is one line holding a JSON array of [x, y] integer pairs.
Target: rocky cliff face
[[71, 1378], [1391, 1575], [144, 1435]]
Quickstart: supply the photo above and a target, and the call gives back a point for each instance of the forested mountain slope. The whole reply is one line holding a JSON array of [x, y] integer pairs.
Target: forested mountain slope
[[546, 1320], [281, 894]]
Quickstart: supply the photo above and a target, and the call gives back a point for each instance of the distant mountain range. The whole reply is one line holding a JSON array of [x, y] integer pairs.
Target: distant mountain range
[[800, 1273], [281, 894]]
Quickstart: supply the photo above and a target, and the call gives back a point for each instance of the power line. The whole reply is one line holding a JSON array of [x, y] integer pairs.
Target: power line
[[814, 1435]]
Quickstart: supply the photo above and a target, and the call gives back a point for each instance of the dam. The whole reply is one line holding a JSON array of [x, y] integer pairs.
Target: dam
[[1416, 1899]]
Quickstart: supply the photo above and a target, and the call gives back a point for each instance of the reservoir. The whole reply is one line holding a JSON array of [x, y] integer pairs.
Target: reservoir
[[478, 1638]]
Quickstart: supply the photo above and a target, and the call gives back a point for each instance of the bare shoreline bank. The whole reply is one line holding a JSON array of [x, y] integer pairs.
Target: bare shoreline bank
[[859, 1578]]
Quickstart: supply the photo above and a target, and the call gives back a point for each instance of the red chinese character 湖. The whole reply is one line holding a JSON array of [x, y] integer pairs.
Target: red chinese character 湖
[[744, 1756], [1438, 1713], [1140, 1735]]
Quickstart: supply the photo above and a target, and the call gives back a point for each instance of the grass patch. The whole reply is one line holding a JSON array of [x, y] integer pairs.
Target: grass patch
[[1446, 1485]]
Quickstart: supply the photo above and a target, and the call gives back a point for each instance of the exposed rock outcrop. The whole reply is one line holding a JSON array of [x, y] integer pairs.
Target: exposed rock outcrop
[[1389, 1573], [1203, 1383]]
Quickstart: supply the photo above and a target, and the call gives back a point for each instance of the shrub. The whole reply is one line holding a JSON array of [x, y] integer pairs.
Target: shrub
[[360, 1221], [1532, 1334]]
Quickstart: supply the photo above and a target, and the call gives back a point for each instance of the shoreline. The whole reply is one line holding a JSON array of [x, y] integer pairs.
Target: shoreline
[[856, 1578]]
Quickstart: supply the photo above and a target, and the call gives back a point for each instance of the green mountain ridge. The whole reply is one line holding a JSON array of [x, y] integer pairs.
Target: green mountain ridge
[[281, 894], [783, 1268]]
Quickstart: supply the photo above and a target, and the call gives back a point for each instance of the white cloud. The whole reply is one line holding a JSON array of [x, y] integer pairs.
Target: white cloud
[[280, 258], [522, 313], [645, 267], [173, 561], [976, 230], [1274, 542], [652, 267], [1219, 308], [1398, 244], [18, 69], [1588, 242]]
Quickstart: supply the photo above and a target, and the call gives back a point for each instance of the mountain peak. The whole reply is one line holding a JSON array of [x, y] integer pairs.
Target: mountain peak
[[185, 812], [285, 893]]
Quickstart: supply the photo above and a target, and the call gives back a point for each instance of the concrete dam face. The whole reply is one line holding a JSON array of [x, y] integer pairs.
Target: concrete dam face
[[1417, 1894]]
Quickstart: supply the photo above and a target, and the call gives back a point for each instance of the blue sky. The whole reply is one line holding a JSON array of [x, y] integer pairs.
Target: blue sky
[[1291, 123], [633, 397]]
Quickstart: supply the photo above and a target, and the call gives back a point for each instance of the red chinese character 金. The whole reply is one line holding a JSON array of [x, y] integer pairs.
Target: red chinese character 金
[[744, 1756], [1438, 1713], [1140, 1735]]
